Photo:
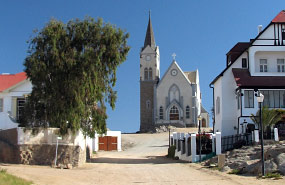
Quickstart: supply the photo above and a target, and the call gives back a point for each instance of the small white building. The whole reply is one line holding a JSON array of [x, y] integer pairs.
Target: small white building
[[251, 67], [13, 90]]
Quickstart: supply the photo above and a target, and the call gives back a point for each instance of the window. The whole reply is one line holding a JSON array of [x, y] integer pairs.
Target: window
[[248, 99], [283, 32], [145, 74], [263, 65], [218, 105], [280, 65], [273, 98], [161, 112], [150, 73], [174, 93], [20, 108], [174, 113], [244, 63], [1, 105], [187, 112], [148, 104]]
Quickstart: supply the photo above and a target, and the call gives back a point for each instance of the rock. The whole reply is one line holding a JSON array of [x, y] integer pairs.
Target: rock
[[225, 169], [280, 159], [270, 166]]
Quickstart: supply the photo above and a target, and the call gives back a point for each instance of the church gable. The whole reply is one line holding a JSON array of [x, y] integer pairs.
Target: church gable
[[174, 74]]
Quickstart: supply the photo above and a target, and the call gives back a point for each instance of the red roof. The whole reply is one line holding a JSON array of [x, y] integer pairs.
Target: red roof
[[280, 17], [9, 80], [243, 79]]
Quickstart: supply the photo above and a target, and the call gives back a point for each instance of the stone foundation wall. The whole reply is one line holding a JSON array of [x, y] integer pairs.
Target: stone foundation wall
[[45, 155]]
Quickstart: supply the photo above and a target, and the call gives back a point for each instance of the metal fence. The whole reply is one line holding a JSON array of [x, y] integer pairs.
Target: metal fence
[[236, 141], [206, 144]]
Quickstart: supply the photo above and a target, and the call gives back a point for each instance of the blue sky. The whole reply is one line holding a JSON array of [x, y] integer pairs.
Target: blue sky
[[199, 32]]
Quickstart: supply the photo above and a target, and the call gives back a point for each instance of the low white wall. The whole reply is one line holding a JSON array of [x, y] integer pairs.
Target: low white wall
[[49, 136]]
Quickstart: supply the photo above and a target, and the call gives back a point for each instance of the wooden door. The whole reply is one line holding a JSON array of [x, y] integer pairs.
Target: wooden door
[[108, 143]]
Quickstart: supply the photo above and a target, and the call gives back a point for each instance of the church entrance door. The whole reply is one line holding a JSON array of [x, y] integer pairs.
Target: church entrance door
[[174, 113]]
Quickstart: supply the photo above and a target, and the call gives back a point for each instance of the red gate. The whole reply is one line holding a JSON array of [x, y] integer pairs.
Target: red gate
[[107, 143]]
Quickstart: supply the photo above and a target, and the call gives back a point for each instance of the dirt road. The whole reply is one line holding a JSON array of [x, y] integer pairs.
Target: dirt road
[[142, 162]]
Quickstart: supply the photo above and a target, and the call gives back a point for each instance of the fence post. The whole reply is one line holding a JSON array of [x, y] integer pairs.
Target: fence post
[[213, 143], [193, 147], [181, 142], [276, 137], [218, 143], [256, 136], [186, 144], [174, 139]]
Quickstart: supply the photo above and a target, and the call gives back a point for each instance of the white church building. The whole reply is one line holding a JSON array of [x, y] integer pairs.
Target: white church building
[[251, 67], [174, 99]]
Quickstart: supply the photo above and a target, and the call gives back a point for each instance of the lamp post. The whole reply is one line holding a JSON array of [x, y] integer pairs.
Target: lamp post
[[58, 138], [199, 131], [260, 99]]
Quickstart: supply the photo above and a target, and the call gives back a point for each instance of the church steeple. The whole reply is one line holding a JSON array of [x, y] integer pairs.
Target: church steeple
[[149, 37]]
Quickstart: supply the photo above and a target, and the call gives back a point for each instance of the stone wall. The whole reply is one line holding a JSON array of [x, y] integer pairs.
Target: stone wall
[[45, 155], [38, 154], [9, 150], [146, 115]]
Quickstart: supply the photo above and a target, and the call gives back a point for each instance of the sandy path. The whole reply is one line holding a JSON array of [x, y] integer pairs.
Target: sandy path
[[144, 163]]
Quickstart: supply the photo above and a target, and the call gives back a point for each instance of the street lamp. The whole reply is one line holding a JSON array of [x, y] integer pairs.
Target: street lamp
[[199, 131], [260, 99]]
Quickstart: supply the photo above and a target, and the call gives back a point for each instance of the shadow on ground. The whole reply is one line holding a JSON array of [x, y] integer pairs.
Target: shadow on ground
[[148, 160]]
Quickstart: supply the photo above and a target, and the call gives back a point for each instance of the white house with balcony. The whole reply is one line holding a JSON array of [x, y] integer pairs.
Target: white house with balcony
[[251, 67], [13, 90]]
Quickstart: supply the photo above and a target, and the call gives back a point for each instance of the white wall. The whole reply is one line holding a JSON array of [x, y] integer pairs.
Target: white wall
[[49, 136]]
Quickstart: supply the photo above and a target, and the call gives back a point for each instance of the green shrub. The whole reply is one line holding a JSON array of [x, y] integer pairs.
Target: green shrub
[[273, 175], [236, 171], [171, 151]]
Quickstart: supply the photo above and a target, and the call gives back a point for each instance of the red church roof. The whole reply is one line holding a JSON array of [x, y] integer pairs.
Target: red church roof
[[9, 80], [280, 17]]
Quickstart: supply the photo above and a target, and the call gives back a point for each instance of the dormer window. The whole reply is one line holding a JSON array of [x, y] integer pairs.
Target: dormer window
[[244, 63], [263, 65], [283, 31]]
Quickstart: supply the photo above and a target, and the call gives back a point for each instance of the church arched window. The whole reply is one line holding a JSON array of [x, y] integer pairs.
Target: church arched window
[[145, 74], [174, 93], [161, 112], [150, 73], [174, 113], [187, 112]]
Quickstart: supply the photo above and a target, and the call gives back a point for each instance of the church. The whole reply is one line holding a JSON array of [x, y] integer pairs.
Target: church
[[174, 99]]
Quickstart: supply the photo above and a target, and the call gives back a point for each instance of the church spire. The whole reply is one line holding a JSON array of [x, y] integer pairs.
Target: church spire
[[149, 37]]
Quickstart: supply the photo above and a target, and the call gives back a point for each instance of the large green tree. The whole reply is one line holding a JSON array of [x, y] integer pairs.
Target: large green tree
[[73, 71]]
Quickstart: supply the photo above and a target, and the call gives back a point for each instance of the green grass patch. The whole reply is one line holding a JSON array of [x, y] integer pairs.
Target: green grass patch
[[273, 175], [236, 171], [7, 179]]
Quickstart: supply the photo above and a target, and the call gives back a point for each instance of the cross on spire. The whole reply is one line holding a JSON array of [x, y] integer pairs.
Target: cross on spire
[[173, 55]]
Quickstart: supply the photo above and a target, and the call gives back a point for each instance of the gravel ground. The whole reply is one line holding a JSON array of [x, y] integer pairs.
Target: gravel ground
[[143, 161]]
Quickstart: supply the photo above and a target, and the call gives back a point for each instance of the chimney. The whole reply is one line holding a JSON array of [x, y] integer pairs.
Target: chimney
[[259, 28]]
